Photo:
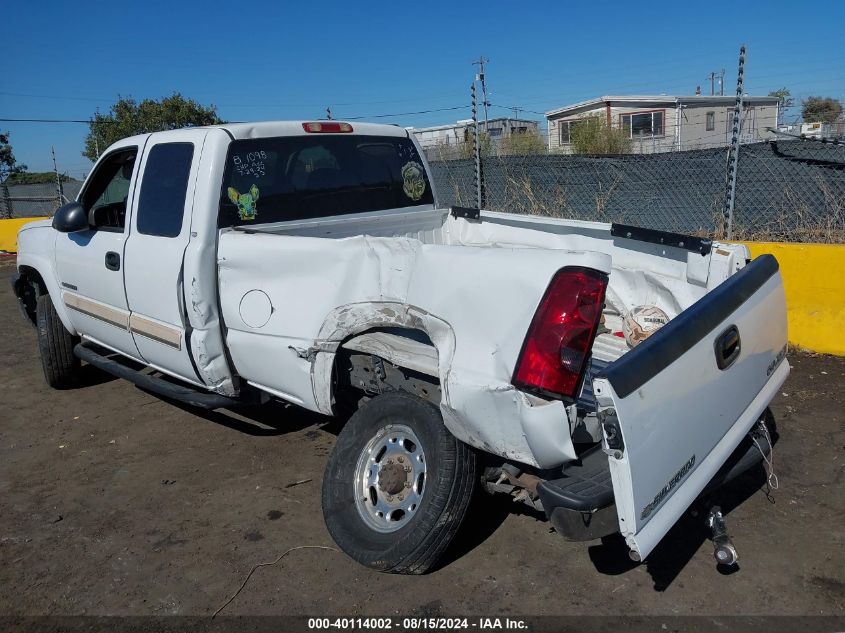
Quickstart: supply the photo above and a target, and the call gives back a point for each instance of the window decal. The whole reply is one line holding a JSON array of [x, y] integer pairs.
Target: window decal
[[250, 164], [413, 181], [246, 202]]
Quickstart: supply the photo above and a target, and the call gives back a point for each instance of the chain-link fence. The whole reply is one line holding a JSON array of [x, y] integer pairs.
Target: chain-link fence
[[787, 190], [42, 199]]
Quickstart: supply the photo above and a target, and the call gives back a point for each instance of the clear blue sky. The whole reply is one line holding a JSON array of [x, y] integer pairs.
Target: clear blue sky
[[286, 60]]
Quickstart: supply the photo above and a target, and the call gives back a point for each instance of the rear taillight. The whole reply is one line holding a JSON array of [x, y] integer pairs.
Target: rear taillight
[[561, 334], [317, 127]]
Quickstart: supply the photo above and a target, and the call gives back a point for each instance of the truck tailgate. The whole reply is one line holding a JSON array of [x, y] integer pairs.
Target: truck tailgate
[[675, 407]]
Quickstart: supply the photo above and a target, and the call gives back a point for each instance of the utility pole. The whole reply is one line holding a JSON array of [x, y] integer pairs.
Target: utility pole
[[712, 77], [96, 129], [480, 77], [59, 191], [329, 113]]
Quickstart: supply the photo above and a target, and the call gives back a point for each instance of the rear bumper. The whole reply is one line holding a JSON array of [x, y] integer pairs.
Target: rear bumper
[[580, 507]]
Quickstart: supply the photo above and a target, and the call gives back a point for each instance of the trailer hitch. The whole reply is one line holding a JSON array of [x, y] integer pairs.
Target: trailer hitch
[[723, 549]]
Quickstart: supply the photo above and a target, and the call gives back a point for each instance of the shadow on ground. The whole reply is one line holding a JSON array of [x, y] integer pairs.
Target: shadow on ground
[[488, 512], [678, 547], [267, 420]]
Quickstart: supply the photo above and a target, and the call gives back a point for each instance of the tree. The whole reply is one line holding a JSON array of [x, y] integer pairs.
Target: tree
[[593, 135], [485, 145], [8, 164], [35, 178], [784, 101], [525, 143], [824, 109], [127, 117]]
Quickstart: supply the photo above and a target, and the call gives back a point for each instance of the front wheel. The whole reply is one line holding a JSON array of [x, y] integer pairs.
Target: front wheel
[[60, 364], [397, 485]]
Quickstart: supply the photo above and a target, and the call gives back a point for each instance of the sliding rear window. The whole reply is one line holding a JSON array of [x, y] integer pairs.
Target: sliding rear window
[[301, 177]]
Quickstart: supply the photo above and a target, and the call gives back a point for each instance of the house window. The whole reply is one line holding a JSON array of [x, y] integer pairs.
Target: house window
[[711, 121], [643, 124], [495, 131], [747, 122], [565, 131]]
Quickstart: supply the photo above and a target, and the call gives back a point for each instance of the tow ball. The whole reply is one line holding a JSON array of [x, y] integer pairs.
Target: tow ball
[[724, 551]]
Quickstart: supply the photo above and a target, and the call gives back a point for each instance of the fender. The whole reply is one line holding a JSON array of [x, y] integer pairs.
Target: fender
[[43, 265], [527, 430], [349, 320]]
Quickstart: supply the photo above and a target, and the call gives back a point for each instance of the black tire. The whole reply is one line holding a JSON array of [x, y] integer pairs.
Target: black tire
[[449, 484], [61, 367]]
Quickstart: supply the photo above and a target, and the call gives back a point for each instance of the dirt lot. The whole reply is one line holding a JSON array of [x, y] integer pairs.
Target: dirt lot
[[115, 502]]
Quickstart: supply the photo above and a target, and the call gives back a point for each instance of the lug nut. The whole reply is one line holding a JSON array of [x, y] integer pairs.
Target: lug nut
[[401, 497]]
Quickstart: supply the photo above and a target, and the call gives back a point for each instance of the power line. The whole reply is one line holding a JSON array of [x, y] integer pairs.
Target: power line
[[384, 116], [511, 108], [353, 118], [665, 83], [46, 120], [235, 105]]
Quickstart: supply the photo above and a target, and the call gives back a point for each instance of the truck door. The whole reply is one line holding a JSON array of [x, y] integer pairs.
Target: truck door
[[90, 263], [160, 232]]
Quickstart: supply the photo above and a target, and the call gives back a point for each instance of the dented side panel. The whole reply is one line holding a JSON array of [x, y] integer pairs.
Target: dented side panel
[[199, 279], [474, 302]]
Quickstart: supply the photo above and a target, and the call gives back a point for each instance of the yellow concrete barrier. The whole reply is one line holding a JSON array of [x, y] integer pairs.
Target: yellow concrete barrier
[[9, 233], [814, 281]]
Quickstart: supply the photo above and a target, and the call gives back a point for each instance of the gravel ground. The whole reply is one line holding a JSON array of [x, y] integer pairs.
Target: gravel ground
[[113, 501]]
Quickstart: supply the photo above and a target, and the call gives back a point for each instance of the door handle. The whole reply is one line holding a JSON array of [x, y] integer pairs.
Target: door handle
[[727, 347], [112, 261]]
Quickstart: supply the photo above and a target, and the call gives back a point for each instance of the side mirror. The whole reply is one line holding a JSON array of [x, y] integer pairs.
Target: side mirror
[[70, 218]]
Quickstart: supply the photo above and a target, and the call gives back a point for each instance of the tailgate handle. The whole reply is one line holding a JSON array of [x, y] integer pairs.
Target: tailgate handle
[[727, 347]]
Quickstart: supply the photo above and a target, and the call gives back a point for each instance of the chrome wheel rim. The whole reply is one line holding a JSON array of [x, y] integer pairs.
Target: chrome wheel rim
[[390, 478]]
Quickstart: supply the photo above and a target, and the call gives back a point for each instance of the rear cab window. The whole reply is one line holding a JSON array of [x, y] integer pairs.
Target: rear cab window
[[285, 178], [164, 185]]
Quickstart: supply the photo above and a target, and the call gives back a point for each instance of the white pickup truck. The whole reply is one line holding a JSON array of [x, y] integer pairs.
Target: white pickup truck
[[311, 262]]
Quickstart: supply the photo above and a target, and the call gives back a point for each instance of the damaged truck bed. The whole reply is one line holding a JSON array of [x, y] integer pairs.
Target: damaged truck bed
[[311, 262]]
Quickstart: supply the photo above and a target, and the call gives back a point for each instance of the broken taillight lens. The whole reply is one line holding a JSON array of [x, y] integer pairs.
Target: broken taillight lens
[[558, 342]]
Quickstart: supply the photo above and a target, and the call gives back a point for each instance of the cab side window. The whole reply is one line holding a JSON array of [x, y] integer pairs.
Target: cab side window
[[164, 185], [106, 195]]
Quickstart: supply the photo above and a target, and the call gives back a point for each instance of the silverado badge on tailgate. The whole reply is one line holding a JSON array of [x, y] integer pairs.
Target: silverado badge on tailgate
[[665, 490]]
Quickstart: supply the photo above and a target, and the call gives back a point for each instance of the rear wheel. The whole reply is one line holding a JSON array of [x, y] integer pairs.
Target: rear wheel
[[61, 366], [397, 485]]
